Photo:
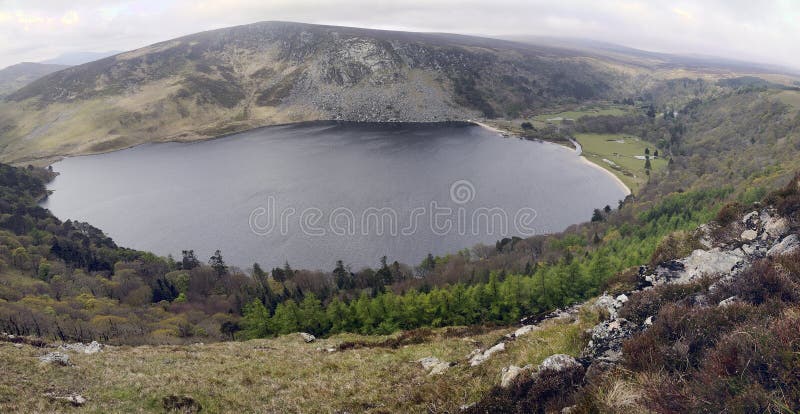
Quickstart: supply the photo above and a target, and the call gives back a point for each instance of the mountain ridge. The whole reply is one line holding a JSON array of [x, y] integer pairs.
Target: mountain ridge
[[233, 79], [16, 76]]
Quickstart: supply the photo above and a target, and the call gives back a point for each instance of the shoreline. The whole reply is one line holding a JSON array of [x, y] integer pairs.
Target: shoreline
[[50, 160], [578, 151]]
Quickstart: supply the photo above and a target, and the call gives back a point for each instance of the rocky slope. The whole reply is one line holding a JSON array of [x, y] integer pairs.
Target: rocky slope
[[227, 80], [731, 257]]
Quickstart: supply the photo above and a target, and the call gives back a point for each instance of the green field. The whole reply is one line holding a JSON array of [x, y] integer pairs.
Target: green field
[[621, 149], [789, 98], [574, 115]]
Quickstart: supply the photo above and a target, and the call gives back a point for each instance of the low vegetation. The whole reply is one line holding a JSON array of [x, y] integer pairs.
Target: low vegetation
[[284, 374], [719, 150]]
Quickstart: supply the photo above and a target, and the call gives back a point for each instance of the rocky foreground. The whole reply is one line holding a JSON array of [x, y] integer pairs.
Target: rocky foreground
[[727, 252], [409, 371]]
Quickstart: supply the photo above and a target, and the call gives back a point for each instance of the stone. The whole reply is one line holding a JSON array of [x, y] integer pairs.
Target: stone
[[608, 336], [558, 362], [749, 235], [789, 244], [56, 358], [89, 349], [435, 365], [307, 337], [707, 262], [76, 400], [525, 330], [606, 303], [776, 227], [621, 299], [483, 356], [751, 219], [648, 321], [729, 301], [509, 374]]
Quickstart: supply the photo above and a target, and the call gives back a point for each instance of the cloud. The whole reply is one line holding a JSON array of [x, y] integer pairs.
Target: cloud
[[683, 13], [760, 31], [70, 18]]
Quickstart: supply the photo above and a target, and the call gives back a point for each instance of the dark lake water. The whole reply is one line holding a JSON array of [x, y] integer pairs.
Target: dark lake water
[[315, 194]]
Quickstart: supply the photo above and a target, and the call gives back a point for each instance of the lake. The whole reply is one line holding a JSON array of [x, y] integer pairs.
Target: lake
[[312, 194]]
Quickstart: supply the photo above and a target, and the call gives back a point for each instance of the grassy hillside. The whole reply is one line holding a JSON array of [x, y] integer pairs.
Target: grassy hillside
[[283, 374]]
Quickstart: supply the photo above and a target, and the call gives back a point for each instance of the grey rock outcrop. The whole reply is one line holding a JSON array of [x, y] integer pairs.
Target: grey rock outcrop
[[764, 235], [76, 400], [481, 357], [56, 358], [558, 362], [435, 365], [89, 349], [789, 244]]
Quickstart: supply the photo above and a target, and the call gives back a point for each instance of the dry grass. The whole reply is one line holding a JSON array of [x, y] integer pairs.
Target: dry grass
[[276, 375]]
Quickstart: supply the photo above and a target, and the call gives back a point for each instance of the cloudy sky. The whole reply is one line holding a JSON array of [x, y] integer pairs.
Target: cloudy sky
[[765, 30]]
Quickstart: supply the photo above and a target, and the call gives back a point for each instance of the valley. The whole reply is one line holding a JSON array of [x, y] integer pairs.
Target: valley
[[679, 295]]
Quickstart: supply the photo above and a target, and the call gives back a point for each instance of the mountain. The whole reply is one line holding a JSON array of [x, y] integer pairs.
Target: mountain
[[21, 74], [228, 80], [232, 79], [79, 58], [656, 60]]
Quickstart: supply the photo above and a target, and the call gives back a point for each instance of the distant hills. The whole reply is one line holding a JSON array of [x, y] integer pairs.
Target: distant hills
[[16, 76], [79, 58], [656, 60], [238, 78], [21, 74]]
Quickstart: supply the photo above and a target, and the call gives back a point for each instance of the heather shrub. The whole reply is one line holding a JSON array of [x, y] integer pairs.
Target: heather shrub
[[549, 391], [648, 303]]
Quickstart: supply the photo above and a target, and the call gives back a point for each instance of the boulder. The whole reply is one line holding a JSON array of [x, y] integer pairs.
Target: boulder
[[558, 362], [307, 337], [525, 330], [620, 300], [511, 373], [788, 245], [749, 235], [481, 357], [776, 227], [76, 400], [729, 301], [56, 358], [707, 262], [751, 220], [607, 338], [607, 304], [435, 365], [90, 348]]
